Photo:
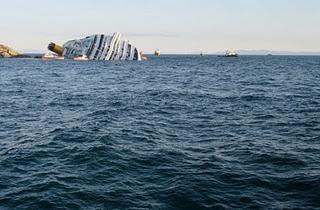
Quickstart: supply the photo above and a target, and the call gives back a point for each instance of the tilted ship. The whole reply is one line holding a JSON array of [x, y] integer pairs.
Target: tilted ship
[[98, 47]]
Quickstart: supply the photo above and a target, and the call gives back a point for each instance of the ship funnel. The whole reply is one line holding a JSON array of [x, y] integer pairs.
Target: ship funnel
[[55, 48]]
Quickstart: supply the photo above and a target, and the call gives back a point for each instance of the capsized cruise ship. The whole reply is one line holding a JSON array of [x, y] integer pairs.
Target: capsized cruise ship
[[98, 47]]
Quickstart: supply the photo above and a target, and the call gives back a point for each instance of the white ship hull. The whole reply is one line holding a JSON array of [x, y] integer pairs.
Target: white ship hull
[[101, 47]]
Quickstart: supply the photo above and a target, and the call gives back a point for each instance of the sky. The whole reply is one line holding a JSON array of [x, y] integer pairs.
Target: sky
[[173, 26]]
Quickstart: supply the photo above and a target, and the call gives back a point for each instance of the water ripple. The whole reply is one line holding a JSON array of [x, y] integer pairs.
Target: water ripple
[[176, 132]]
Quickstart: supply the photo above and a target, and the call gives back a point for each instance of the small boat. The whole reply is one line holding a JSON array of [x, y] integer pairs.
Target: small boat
[[81, 58], [201, 54], [157, 52], [49, 56], [231, 54]]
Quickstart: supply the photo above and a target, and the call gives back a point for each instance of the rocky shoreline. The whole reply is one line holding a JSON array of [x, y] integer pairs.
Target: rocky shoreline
[[8, 52]]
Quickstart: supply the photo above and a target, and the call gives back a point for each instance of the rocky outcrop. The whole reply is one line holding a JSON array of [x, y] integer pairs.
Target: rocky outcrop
[[7, 52]]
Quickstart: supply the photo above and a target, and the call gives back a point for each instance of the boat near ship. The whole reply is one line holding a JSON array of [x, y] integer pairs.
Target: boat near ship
[[50, 56], [97, 47], [81, 58]]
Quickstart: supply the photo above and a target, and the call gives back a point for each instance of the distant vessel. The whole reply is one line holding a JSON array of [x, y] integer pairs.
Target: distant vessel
[[157, 52], [50, 56], [201, 54], [231, 54], [98, 47]]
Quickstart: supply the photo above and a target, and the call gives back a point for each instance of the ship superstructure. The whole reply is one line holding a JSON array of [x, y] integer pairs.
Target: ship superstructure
[[98, 47]]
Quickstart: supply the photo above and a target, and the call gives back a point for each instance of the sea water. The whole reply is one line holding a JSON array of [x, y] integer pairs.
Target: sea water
[[174, 132]]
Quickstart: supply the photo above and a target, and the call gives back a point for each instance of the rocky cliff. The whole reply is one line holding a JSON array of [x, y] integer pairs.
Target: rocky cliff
[[7, 52]]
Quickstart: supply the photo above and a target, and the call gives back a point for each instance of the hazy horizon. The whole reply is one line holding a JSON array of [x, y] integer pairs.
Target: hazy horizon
[[187, 26]]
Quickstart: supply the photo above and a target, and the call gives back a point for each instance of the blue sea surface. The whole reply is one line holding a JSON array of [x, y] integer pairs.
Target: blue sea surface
[[174, 132]]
